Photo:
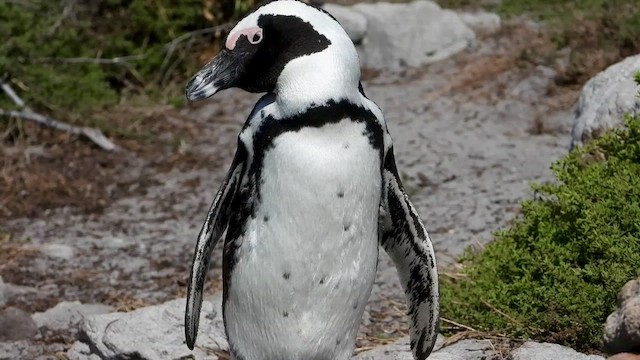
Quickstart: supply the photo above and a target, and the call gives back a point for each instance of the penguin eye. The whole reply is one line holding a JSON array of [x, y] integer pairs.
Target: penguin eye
[[256, 37], [252, 34]]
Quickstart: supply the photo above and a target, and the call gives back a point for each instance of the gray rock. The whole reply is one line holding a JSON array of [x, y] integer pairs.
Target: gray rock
[[353, 22], [630, 290], [22, 349], [534, 86], [622, 329], [545, 351], [481, 21], [16, 324], [67, 315], [59, 251], [624, 356], [4, 293], [8, 291], [399, 350], [81, 351], [154, 332], [411, 34], [470, 349], [605, 100]]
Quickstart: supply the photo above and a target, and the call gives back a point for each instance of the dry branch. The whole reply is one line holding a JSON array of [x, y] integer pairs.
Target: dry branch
[[88, 60], [469, 328], [25, 112], [171, 47]]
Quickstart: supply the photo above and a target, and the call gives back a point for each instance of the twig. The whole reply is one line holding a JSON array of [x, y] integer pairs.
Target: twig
[[171, 47], [94, 135], [88, 60], [457, 324], [67, 12], [210, 30], [25, 112], [512, 319], [12, 94]]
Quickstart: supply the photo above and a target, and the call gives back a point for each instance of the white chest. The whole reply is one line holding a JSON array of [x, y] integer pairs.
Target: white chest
[[306, 263]]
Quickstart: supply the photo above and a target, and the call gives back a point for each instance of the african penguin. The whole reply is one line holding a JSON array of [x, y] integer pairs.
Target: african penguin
[[311, 193]]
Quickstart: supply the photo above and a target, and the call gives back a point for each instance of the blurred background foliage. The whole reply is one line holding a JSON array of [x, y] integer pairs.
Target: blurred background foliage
[[68, 57]]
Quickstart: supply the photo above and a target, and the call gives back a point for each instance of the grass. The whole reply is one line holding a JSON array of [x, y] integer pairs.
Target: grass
[[555, 273]]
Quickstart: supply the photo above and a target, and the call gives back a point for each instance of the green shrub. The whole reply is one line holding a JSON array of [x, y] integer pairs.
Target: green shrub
[[555, 273], [41, 44]]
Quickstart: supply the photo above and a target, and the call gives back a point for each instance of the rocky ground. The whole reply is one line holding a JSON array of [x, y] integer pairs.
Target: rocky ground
[[471, 133]]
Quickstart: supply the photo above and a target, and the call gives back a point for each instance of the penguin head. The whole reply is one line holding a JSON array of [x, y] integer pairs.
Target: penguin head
[[286, 47]]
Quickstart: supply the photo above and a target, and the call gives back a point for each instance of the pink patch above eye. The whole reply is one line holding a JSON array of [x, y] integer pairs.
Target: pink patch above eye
[[250, 33]]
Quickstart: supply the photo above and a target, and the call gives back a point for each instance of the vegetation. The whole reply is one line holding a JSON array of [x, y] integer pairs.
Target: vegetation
[[67, 58], [555, 274]]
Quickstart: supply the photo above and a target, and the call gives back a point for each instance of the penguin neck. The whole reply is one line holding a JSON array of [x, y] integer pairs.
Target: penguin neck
[[314, 80]]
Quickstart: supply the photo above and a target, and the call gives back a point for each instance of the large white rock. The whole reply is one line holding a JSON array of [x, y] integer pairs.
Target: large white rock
[[622, 329], [67, 314], [58, 251], [353, 22], [481, 21], [155, 332], [605, 100], [470, 349], [9, 291], [545, 351], [410, 34], [398, 350], [462, 350]]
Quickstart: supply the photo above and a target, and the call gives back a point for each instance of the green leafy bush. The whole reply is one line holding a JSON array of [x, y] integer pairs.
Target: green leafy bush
[[49, 49], [555, 273]]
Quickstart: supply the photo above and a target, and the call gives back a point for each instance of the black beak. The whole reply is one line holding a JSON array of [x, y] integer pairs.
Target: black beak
[[219, 74]]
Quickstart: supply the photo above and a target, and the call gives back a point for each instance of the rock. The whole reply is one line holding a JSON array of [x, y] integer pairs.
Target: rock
[[154, 332], [624, 356], [622, 329], [4, 293], [19, 350], [16, 324], [605, 100], [481, 22], [67, 315], [59, 251], [80, 350], [411, 34], [534, 86], [545, 351], [8, 291], [399, 350], [353, 22], [630, 290], [461, 350], [470, 349]]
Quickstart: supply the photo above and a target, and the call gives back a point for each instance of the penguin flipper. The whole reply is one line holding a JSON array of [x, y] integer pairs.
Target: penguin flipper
[[212, 229], [405, 239]]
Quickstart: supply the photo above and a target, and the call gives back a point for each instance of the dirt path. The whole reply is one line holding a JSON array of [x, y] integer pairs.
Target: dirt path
[[470, 134]]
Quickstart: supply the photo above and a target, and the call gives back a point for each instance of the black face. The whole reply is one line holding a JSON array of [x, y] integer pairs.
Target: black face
[[254, 64]]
